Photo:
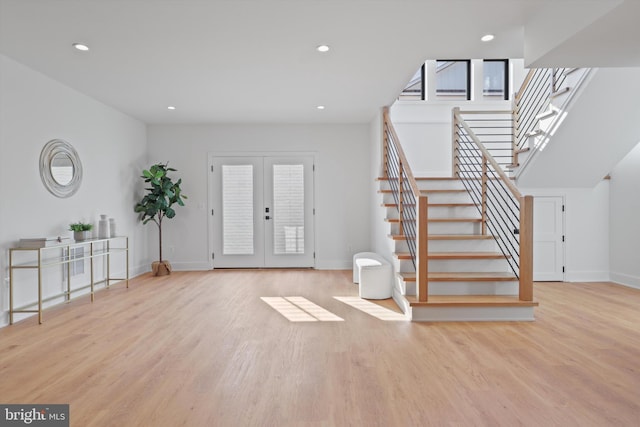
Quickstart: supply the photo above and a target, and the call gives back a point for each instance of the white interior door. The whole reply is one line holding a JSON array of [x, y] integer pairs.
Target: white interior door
[[548, 245], [262, 209]]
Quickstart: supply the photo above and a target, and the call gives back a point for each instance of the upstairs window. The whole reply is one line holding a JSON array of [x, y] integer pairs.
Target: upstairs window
[[453, 79], [415, 88], [495, 79]]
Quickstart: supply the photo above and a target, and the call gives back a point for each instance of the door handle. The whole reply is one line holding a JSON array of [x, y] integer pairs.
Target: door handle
[[267, 217]]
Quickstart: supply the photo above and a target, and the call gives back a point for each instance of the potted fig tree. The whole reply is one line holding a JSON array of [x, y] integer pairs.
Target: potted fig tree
[[157, 204]]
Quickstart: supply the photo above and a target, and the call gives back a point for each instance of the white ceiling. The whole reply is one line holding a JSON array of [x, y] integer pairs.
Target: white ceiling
[[224, 61]]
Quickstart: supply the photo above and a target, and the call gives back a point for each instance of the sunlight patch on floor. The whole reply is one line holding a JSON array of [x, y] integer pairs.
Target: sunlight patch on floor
[[372, 309], [314, 310], [300, 309]]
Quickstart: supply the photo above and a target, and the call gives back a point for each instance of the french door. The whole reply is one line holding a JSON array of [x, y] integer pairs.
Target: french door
[[262, 211]]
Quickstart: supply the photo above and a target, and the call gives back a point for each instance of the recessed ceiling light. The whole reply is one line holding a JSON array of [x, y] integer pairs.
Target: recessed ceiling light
[[80, 46], [171, 107], [323, 48], [320, 107], [487, 37]]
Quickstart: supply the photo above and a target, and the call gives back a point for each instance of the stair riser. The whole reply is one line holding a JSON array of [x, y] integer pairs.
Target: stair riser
[[401, 246], [441, 212], [456, 266], [460, 288], [402, 266], [440, 184], [455, 228], [454, 212], [473, 288], [463, 246], [449, 198], [433, 198], [467, 266], [471, 314]]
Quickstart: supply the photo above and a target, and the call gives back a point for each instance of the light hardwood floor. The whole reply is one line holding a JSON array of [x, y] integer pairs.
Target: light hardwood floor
[[202, 349]]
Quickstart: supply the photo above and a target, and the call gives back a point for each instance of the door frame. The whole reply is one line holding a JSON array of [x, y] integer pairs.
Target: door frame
[[210, 189]]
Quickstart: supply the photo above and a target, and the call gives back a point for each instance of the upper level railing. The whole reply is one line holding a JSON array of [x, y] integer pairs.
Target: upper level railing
[[506, 213], [537, 101], [495, 130], [412, 205]]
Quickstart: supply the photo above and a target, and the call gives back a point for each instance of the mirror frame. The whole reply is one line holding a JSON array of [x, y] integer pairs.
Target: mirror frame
[[50, 150]]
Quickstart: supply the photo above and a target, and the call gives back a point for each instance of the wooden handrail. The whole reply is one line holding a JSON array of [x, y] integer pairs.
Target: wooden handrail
[[524, 85], [507, 182], [412, 181]]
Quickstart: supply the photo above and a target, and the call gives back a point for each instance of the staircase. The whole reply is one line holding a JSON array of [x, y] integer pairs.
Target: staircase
[[469, 278], [449, 266]]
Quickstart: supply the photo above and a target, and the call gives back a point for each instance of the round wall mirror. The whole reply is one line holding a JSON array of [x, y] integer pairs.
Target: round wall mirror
[[60, 168]]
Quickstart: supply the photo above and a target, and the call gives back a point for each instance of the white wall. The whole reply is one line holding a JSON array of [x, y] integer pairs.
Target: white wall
[[380, 242], [625, 227], [35, 109], [598, 129], [342, 186], [586, 230]]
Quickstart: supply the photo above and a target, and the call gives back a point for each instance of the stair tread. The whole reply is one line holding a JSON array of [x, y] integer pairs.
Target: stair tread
[[462, 277], [465, 255], [470, 301], [455, 220], [439, 220], [430, 205], [424, 178], [454, 255], [460, 237], [446, 237], [443, 190]]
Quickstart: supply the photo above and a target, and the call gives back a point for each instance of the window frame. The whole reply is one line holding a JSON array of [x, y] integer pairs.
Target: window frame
[[506, 76], [468, 79]]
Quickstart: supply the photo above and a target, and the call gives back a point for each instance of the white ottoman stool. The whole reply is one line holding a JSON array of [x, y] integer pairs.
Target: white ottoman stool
[[373, 273]]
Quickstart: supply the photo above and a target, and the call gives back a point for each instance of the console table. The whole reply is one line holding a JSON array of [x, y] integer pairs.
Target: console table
[[97, 249]]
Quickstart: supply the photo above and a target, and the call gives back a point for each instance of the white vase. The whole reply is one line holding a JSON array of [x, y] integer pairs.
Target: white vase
[[103, 227], [112, 227]]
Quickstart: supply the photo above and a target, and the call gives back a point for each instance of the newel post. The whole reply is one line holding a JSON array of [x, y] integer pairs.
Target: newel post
[[422, 257], [526, 249]]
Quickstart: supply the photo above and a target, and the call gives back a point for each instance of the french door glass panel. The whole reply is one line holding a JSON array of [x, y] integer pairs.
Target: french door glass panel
[[288, 202], [237, 209]]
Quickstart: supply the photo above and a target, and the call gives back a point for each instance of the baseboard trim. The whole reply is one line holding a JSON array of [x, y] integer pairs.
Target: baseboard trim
[[587, 276], [626, 280]]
